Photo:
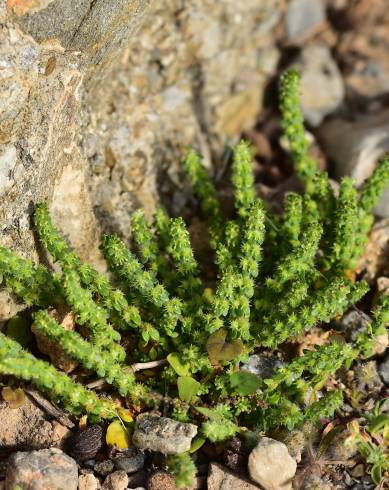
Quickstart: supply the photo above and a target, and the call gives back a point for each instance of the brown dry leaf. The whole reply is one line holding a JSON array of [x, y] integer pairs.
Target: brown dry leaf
[[14, 398], [314, 337]]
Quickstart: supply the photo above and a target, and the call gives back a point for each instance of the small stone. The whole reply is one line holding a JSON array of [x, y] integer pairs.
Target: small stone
[[130, 461], [302, 17], [138, 479], [262, 366], [383, 369], [322, 89], [271, 466], [160, 480], [118, 480], [313, 482], [219, 478], [47, 469], [162, 434], [104, 467], [375, 258], [355, 148], [86, 443], [358, 471], [355, 322], [88, 482]]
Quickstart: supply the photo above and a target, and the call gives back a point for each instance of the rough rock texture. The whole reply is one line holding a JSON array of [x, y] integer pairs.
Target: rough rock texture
[[88, 482], [118, 480], [48, 469], [219, 478], [28, 427], [162, 434], [160, 480], [271, 465], [90, 110], [130, 461]]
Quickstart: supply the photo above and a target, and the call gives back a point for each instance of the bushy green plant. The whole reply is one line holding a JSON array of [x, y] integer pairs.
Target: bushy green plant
[[275, 278]]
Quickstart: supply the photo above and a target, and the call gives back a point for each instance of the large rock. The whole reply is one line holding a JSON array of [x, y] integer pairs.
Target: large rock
[[271, 466], [91, 111], [47, 469], [162, 434]]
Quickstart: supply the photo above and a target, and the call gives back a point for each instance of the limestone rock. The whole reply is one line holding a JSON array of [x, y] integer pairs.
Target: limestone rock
[[160, 480], [88, 482], [302, 17], [162, 434], [262, 366], [322, 89], [219, 478], [47, 469], [271, 466]]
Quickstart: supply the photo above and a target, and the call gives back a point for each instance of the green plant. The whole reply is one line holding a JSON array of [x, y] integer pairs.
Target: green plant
[[275, 277]]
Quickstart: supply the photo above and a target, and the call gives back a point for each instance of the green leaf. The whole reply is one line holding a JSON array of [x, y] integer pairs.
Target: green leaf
[[211, 414], [376, 474], [187, 388], [18, 328], [197, 443], [378, 423], [221, 350], [245, 383], [179, 367]]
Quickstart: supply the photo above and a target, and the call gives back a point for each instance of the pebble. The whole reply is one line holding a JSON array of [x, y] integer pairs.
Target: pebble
[[160, 480], [138, 479], [86, 443], [271, 466], [118, 480], [219, 478], [130, 461], [162, 434], [41, 470], [104, 467], [367, 377], [355, 148], [302, 17], [322, 89], [88, 482], [355, 322], [383, 369], [262, 366]]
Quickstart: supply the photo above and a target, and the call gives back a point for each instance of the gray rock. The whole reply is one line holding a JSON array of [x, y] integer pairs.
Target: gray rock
[[104, 467], [302, 17], [42, 470], [367, 378], [130, 461], [162, 434], [262, 366], [355, 147], [219, 478], [383, 369], [118, 480], [322, 89], [355, 322], [271, 466]]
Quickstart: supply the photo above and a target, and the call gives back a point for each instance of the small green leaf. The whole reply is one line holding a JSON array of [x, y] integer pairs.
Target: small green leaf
[[197, 443], [378, 423], [187, 388], [245, 383], [221, 350], [179, 367], [211, 414]]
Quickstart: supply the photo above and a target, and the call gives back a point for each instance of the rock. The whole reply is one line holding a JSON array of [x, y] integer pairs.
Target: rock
[[130, 461], [162, 434], [322, 89], [262, 366], [27, 427], [374, 260], [383, 369], [219, 478], [160, 480], [88, 482], [118, 480], [366, 377], [85, 443], [104, 467], [138, 479], [302, 18], [314, 482], [356, 146], [355, 322], [271, 466], [47, 469]]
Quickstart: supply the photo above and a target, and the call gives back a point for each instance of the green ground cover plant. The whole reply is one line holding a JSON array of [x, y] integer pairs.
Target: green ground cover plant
[[274, 278]]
